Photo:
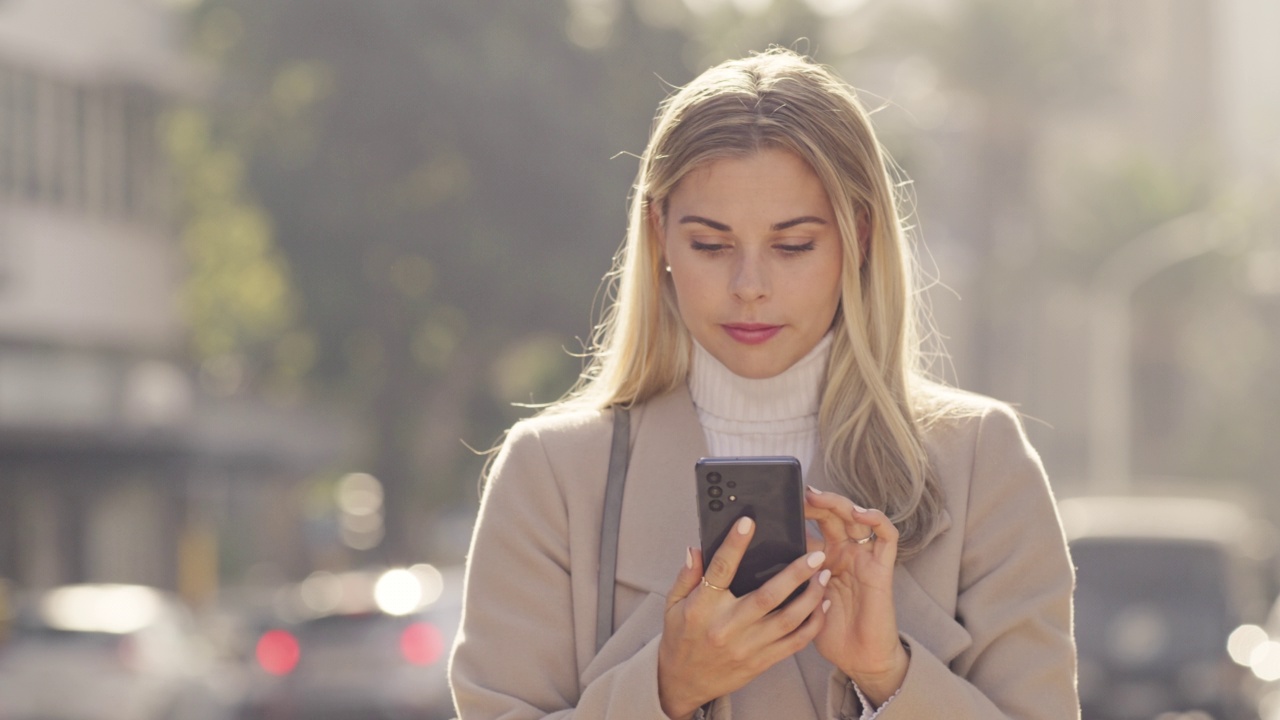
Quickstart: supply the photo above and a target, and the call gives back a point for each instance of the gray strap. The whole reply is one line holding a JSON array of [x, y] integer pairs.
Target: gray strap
[[618, 457]]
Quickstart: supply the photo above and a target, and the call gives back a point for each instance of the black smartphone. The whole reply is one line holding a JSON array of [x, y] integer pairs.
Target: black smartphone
[[769, 491]]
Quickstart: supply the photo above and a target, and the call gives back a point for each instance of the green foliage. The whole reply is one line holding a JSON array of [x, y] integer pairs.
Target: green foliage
[[439, 178], [238, 299]]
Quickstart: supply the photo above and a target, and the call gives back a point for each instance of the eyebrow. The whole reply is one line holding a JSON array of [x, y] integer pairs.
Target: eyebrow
[[776, 227]]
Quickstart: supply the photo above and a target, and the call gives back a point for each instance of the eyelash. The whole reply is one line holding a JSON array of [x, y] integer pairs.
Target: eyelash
[[716, 248]]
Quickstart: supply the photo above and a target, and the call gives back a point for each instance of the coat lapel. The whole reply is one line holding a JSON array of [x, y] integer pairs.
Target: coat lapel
[[923, 619], [659, 511]]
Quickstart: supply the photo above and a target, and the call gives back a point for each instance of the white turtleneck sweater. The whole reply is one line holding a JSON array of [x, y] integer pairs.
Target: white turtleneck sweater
[[772, 416]]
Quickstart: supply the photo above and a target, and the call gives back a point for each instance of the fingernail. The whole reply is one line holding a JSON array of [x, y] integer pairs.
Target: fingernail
[[814, 490], [825, 604], [688, 558], [824, 577], [859, 508], [815, 559], [744, 526]]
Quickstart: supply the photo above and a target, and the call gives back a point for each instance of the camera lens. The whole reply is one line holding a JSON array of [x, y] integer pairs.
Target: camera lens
[[717, 506], [713, 477], [715, 491], [732, 484]]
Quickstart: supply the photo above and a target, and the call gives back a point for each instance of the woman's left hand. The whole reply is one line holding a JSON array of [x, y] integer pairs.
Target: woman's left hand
[[860, 636]]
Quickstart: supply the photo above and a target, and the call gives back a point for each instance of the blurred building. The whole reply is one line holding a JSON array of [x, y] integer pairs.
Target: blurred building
[[1190, 90], [108, 454]]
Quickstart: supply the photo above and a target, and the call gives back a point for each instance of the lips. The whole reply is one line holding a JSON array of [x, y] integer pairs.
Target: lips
[[751, 333]]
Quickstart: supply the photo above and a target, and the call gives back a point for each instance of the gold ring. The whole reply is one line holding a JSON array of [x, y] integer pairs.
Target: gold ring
[[706, 583], [863, 541]]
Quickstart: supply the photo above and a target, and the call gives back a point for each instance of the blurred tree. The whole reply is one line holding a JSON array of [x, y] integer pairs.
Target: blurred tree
[[238, 299], [440, 182]]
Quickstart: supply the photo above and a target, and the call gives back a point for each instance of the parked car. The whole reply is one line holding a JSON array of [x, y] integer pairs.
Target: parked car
[[1162, 583], [383, 657], [106, 652]]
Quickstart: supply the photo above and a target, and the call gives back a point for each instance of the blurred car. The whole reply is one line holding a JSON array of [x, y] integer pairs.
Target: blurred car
[[1162, 585], [105, 652], [381, 655]]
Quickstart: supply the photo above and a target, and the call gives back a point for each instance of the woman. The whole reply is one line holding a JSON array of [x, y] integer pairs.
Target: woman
[[764, 307]]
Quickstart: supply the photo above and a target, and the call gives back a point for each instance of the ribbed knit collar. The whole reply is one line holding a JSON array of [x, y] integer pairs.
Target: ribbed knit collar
[[787, 401]]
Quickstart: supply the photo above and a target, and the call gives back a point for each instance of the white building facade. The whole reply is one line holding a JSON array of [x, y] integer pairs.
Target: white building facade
[[96, 411]]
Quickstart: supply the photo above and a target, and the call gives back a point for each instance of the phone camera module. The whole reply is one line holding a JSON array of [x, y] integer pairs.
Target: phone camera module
[[716, 506], [713, 478], [715, 491]]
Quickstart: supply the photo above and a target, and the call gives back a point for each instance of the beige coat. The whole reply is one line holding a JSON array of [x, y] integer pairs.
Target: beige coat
[[985, 607]]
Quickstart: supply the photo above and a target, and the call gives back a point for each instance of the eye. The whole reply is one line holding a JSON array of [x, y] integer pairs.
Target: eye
[[708, 247], [795, 248]]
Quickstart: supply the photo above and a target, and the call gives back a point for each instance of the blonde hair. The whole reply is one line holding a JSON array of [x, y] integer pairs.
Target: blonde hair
[[876, 400]]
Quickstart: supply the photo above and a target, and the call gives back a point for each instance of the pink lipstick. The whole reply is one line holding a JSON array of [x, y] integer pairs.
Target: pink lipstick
[[751, 333]]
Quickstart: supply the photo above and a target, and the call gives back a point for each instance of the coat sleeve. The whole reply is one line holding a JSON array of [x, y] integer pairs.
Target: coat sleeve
[[515, 657], [1015, 600]]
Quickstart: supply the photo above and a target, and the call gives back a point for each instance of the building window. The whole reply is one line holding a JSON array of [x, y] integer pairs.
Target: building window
[[86, 148], [6, 132], [26, 172]]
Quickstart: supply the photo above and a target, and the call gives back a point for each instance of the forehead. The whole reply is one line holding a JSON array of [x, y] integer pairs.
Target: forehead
[[769, 183]]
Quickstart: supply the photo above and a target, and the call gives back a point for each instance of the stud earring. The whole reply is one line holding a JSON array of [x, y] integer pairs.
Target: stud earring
[[668, 268]]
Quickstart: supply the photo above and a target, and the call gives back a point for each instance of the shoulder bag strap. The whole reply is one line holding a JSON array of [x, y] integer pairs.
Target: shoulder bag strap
[[612, 518]]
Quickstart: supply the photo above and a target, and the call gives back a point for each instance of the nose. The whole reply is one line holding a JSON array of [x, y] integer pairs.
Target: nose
[[750, 280]]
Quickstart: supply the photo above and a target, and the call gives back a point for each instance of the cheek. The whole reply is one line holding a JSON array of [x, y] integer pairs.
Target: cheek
[[690, 295], [827, 291]]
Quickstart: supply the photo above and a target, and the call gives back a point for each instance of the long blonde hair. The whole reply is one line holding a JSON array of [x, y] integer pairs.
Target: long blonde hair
[[876, 400]]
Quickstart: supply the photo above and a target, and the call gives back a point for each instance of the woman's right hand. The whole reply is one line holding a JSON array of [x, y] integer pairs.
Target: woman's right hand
[[714, 643]]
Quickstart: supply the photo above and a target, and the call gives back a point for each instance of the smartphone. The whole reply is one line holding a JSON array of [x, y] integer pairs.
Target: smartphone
[[769, 491]]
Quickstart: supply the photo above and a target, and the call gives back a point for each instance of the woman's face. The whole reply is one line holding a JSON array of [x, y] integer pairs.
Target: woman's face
[[755, 256]]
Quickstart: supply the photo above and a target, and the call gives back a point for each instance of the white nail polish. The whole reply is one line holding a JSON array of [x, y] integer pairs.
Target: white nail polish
[[824, 577], [744, 526], [825, 604], [816, 559], [688, 558]]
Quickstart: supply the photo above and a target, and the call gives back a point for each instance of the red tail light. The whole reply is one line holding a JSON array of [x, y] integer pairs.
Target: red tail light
[[421, 643], [278, 652]]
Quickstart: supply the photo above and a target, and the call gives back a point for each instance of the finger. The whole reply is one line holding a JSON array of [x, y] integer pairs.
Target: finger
[[724, 564], [777, 589], [885, 541], [813, 541], [789, 617], [838, 517], [687, 579], [809, 626], [830, 502], [834, 528], [878, 521], [832, 506]]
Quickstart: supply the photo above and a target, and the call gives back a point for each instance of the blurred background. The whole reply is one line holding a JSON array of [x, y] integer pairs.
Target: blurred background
[[274, 273]]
